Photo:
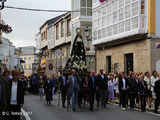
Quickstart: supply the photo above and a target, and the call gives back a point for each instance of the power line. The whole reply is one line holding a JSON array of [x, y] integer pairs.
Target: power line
[[41, 10]]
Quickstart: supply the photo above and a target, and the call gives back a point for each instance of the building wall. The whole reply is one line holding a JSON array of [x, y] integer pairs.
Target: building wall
[[38, 42], [28, 62], [4, 53], [141, 56], [155, 55], [119, 18], [44, 42], [65, 38], [61, 61], [151, 16], [51, 36]]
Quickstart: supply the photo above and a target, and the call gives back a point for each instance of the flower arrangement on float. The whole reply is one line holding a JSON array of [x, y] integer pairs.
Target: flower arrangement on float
[[79, 64], [40, 69]]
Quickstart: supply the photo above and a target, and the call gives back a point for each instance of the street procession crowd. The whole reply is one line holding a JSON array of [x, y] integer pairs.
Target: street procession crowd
[[135, 90]]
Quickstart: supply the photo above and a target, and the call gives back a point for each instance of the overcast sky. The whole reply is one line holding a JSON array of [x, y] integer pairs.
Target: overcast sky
[[26, 24]]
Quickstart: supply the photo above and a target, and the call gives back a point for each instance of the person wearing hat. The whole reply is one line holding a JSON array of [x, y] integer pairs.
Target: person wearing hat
[[4, 94], [102, 86]]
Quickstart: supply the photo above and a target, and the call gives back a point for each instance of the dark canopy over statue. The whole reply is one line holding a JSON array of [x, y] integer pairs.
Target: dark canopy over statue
[[77, 59]]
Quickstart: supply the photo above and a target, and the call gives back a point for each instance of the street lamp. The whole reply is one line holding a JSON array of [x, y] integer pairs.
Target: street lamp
[[87, 34], [2, 4]]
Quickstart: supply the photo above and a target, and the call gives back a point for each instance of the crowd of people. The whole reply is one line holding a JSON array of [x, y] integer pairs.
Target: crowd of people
[[135, 90]]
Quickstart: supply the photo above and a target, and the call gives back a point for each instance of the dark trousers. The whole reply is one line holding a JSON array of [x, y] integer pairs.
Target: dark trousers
[[123, 96], [80, 94], [137, 97], [143, 102], [64, 94], [49, 95], [132, 100], [103, 95], [127, 97], [91, 97], [157, 102], [98, 96], [13, 112]]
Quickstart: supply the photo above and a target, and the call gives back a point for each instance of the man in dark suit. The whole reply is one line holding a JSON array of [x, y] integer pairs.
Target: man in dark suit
[[4, 94], [92, 88], [102, 86], [157, 91], [63, 86], [16, 99], [123, 87]]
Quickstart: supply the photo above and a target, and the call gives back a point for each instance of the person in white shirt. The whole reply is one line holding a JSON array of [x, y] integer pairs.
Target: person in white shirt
[[16, 97], [116, 81], [154, 78], [149, 93]]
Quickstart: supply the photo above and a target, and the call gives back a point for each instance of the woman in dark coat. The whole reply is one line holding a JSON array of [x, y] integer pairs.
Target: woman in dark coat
[[48, 86], [132, 89], [142, 91], [16, 97]]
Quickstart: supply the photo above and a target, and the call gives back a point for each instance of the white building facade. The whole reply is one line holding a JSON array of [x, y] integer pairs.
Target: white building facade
[[51, 36], [38, 42], [82, 20], [126, 35], [8, 59], [116, 19]]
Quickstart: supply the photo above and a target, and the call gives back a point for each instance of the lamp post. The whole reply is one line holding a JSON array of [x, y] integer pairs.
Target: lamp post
[[2, 4], [87, 34]]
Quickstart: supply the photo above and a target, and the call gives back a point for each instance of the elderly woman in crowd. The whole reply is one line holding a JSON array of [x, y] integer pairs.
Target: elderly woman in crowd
[[48, 86], [116, 81], [142, 91], [111, 88]]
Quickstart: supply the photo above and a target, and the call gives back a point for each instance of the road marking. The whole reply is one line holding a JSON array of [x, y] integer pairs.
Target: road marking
[[137, 110], [26, 116]]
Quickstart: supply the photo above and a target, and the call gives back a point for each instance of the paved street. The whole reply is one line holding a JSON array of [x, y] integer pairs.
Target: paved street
[[40, 112]]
